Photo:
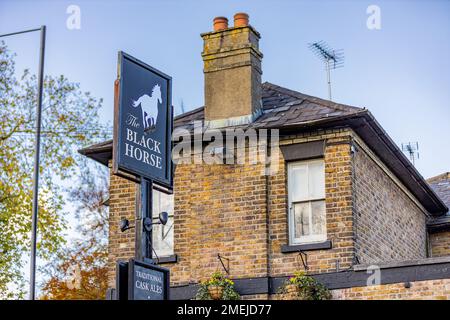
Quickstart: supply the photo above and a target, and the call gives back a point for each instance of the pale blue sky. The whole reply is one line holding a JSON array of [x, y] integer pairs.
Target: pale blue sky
[[401, 72]]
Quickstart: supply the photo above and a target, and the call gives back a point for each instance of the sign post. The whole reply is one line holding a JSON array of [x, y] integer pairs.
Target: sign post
[[143, 122], [146, 209]]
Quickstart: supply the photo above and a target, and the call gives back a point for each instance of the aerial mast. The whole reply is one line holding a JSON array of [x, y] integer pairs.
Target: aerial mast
[[412, 148], [333, 59]]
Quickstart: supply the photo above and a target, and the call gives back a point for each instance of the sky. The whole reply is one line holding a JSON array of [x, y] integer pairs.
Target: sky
[[400, 72]]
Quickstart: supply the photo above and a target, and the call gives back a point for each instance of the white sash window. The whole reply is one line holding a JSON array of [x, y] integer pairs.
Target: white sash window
[[306, 195]]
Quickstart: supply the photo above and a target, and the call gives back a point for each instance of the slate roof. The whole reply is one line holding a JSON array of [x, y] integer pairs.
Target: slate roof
[[441, 185], [287, 107], [281, 107], [290, 110], [187, 119]]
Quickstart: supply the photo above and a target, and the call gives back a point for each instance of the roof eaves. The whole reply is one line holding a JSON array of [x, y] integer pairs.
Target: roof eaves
[[438, 224], [188, 113], [100, 152], [441, 208], [437, 209], [318, 122]]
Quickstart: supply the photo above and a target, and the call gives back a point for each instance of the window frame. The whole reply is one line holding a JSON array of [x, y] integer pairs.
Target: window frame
[[291, 219]]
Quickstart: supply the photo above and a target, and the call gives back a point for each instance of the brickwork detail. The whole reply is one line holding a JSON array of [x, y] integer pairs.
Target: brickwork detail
[[388, 225], [219, 209], [236, 211], [122, 199], [338, 209], [440, 244], [419, 290]]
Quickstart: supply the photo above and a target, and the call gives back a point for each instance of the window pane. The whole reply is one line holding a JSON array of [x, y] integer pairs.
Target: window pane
[[162, 202], [298, 178], [163, 238], [318, 217], [301, 220], [316, 180], [306, 183], [162, 235]]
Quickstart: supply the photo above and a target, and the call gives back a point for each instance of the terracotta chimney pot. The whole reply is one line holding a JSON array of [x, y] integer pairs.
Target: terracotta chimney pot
[[240, 19], [220, 23]]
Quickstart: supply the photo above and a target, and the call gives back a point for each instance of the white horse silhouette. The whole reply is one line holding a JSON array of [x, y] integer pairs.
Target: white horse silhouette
[[149, 107]]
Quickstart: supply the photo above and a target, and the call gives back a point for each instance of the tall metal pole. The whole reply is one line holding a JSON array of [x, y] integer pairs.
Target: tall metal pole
[[138, 227], [328, 79], [34, 218], [143, 236]]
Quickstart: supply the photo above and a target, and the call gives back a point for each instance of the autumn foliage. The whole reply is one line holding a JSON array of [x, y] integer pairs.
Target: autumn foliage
[[81, 272], [70, 119], [79, 276]]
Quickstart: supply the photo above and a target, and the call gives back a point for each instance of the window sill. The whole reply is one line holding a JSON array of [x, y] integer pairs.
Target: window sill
[[167, 259], [306, 247]]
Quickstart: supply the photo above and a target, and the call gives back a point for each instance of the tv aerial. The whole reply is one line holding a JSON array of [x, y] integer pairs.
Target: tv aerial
[[332, 58], [412, 148]]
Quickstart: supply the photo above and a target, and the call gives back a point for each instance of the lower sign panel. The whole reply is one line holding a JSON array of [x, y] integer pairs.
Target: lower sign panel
[[147, 281]]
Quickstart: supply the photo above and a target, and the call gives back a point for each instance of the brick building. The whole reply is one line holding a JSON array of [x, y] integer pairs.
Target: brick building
[[439, 227], [343, 194]]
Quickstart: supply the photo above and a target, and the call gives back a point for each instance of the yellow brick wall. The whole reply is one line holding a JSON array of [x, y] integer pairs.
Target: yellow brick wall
[[219, 209], [122, 195], [389, 226], [238, 212], [338, 209], [419, 290], [222, 209], [440, 244]]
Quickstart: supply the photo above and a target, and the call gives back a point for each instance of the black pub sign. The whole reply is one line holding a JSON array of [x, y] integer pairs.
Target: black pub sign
[[143, 122], [147, 281]]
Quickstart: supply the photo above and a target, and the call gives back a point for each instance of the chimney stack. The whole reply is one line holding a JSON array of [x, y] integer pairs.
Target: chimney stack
[[232, 68]]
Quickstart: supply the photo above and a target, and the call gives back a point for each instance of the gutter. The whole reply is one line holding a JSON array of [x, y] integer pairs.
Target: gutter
[[376, 127], [438, 224], [378, 131], [350, 120]]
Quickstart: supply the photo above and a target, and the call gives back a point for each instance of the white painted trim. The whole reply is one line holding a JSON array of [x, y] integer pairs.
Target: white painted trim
[[232, 121], [310, 238]]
